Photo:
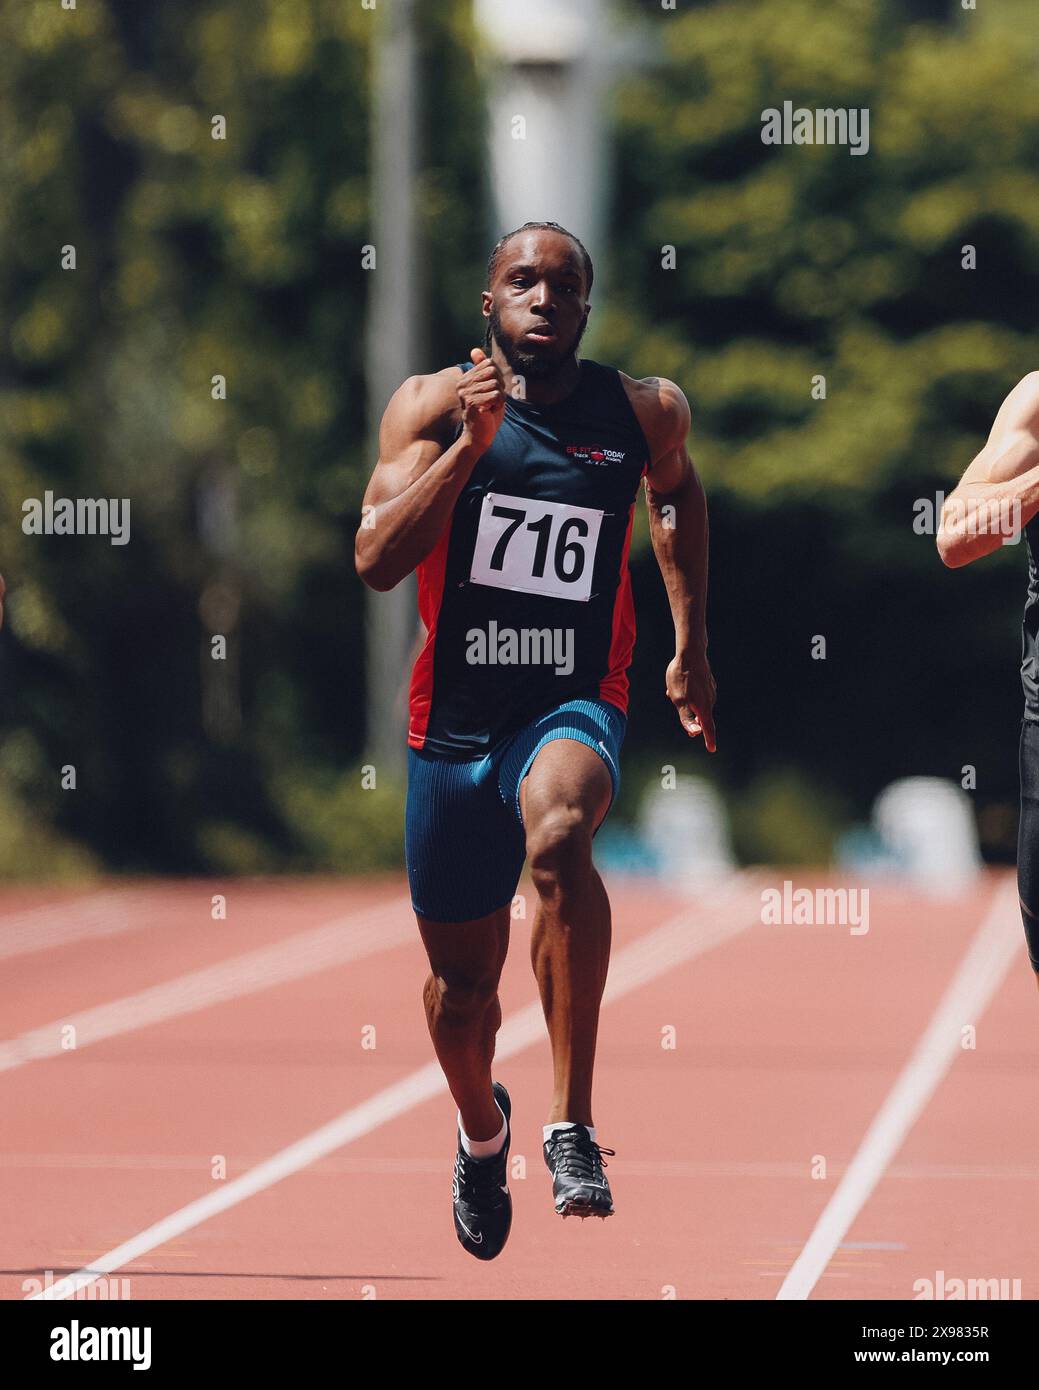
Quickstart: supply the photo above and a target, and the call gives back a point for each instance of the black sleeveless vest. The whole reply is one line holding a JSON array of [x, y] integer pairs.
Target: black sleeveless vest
[[526, 597]]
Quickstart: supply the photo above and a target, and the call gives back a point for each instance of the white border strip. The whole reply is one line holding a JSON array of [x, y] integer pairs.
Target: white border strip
[[680, 939], [996, 943]]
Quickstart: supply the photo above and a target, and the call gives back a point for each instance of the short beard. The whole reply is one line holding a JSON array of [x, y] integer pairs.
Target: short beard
[[536, 366]]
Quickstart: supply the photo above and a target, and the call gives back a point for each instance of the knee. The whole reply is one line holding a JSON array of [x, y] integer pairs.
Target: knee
[[560, 852], [459, 995]]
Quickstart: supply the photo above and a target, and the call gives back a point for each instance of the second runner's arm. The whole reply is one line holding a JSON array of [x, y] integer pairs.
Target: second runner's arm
[[1003, 477]]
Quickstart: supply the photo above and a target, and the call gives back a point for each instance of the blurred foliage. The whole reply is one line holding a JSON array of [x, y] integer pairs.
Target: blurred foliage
[[799, 260], [241, 257], [344, 821], [30, 846], [197, 257], [786, 818]]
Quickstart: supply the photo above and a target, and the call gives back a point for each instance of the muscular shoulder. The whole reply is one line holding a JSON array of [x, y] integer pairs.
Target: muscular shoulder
[[426, 402], [662, 410]]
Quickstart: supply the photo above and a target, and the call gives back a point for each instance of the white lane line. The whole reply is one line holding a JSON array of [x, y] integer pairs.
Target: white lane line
[[678, 1168], [996, 943], [345, 939], [76, 919], [676, 941]]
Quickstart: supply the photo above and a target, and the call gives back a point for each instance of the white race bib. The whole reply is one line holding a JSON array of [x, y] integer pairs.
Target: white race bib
[[536, 547]]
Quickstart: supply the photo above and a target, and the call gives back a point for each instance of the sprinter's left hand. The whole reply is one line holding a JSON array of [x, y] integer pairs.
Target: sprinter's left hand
[[691, 689]]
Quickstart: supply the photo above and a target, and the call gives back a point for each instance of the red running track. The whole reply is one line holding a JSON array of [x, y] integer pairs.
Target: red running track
[[731, 1143]]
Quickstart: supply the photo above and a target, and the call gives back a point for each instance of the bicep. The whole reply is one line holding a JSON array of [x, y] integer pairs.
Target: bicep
[[393, 475], [1012, 447], [1001, 460], [670, 472], [412, 436]]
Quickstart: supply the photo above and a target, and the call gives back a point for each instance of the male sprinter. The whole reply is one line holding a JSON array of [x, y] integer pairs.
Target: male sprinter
[[997, 496], [509, 482]]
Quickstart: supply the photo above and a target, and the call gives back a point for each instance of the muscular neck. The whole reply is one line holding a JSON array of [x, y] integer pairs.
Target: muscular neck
[[541, 390]]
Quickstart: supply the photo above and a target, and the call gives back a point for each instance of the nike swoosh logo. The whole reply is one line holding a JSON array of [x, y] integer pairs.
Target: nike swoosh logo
[[476, 1240]]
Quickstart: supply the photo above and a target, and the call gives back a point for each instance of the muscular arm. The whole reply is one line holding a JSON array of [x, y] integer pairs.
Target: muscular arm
[[415, 483], [419, 475], [1001, 482], [677, 506]]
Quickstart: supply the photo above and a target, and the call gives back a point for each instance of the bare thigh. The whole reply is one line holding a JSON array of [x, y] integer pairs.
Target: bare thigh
[[567, 782]]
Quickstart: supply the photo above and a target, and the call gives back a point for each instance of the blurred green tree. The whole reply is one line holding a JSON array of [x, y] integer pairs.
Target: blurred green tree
[[240, 258], [794, 263], [207, 161]]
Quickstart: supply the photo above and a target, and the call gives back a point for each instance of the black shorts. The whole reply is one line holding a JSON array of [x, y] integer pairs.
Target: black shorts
[[1028, 838]]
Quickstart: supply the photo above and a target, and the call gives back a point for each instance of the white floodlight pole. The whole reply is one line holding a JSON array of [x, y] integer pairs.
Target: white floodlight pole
[[547, 138], [394, 350]]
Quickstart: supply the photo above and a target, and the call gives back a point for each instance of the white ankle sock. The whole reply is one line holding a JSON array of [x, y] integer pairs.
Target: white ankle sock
[[484, 1148], [549, 1130]]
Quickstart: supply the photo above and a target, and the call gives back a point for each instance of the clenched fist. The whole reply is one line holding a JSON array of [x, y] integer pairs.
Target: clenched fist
[[481, 394]]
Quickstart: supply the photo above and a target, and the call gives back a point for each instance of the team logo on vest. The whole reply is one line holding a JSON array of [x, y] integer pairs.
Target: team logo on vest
[[591, 453]]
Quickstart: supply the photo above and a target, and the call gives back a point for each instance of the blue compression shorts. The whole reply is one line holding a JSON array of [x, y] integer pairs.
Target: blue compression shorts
[[464, 838]]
